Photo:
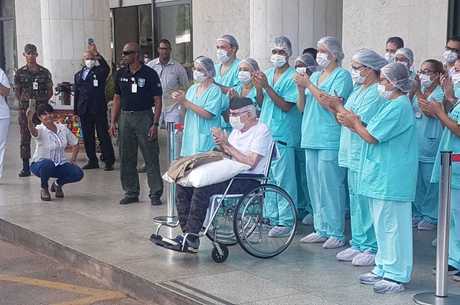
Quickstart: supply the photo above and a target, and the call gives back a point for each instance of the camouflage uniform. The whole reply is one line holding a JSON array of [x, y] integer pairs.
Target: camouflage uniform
[[24, 85]]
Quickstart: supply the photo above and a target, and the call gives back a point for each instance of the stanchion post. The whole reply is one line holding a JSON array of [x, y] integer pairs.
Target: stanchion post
[[172, 154]]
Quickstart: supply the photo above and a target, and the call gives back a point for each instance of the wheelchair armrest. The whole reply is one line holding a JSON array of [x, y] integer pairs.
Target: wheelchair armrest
[[249, 176]]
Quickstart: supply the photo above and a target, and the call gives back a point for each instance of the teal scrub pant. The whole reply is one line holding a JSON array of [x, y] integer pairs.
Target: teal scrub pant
[[454, 235], [426, 197], [362, 225], [393, 230], [304, 206], [326, 186], [282, 174]]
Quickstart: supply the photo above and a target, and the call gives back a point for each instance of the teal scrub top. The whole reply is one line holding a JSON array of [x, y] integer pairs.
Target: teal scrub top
[[449, 142], [457, 90], [429, 130], [197, 136], [229, 79], [365, 102], [320, 129], [284, 126], [388, 169]]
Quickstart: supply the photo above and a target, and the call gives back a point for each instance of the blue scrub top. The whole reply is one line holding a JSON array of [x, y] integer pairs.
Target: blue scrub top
[[197, 136], [388, 169], [429, 130], [320, 129], [457, 90], [229, 79], [449, 142], [285, 126], [365, 102]]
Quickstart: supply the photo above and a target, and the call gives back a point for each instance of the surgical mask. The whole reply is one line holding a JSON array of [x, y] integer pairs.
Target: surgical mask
[[425, 81], [222, 56], [449, 56], [90, 63], [383, 92], [301, 70], [278, 60], [404, 63], [357, 77], [199, 76], [390, 57], [235, 122], [244, 77], [322, 60]]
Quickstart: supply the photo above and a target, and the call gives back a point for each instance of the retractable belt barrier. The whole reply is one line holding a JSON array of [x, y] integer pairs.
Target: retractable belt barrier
[[440, 296]]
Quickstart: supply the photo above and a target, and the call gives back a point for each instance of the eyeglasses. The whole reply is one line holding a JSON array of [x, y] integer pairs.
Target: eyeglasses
[[428, 72], [358, 68], [126, 53]]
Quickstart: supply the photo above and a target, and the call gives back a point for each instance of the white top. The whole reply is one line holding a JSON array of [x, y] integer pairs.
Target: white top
[[4, 109], [51, 145], [256, 139]]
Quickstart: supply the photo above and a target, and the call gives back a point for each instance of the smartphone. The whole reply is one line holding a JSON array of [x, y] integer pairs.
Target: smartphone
[[90, 41], [33, 105]]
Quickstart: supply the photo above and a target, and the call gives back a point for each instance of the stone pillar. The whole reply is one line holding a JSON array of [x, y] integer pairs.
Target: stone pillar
[[302, 21]]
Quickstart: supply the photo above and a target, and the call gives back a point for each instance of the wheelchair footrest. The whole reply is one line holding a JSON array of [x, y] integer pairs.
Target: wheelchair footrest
[[169, 221], [169, 244]]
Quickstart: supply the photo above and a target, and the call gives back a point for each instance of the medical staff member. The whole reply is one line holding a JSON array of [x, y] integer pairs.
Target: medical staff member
[[392, 45], [203, 106], [429, 131], [389, 153], [365, 101], [4, 116], [405, 56], [282, 117], [227, 68], [320, 139], [246, 86]]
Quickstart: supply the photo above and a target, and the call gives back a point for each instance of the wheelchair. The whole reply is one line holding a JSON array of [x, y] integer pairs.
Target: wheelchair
[[246, 219]]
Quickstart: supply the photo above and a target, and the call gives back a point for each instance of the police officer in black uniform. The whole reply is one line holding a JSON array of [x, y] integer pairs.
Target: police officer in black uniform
[[90, 105], [137, 90]]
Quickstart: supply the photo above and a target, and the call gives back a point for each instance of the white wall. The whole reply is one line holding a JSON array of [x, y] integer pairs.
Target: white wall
[[421, 23], [28, 27]]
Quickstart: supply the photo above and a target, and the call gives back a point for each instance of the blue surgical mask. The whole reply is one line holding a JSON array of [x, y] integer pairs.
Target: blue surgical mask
[[199, 76], [278, 60], [425, 81], [322, 59], [357, 77], [222, 56], [244, 77], [383, 92]]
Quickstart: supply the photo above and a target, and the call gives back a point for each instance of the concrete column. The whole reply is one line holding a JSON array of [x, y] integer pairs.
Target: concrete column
[[302, 21]]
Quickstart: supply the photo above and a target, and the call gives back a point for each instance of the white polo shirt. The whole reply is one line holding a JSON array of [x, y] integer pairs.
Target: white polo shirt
[[4, 109]]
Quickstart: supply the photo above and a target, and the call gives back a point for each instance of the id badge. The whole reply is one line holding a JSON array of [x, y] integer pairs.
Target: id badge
[[418, 115], [95, 83], [35, 86], [134, 88]]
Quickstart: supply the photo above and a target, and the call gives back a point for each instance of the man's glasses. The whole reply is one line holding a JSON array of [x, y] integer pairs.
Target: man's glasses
[[126, 53]]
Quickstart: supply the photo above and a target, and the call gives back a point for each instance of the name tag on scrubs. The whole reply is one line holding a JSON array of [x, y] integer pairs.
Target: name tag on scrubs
[[133, 85], [95, 83], [35, 86]]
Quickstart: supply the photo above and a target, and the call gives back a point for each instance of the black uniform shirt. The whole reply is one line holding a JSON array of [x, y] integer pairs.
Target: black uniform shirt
[[146, 83]]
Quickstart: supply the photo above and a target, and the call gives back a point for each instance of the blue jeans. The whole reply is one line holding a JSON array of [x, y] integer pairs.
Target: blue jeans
[[65, 173]]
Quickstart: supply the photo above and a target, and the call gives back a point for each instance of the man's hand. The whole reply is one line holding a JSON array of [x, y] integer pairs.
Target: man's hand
[[178, 96], [113, 129], [302, 81], [334, 103], [153, 132], [348, 118], [219, 136], [260, 80], [29, 113], [448, 87], [430, 109], [93, 49], [232, 93]]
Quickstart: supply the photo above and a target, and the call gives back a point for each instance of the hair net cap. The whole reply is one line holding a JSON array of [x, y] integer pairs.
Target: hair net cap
[[333, 46], [307, 60], [252, 63], [398, 75], [370, 59], [282, 43], [230, 40], [407, 53], [207, 64]]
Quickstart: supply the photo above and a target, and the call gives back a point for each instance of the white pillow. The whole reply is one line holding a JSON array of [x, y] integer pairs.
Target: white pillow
[[211, 173]]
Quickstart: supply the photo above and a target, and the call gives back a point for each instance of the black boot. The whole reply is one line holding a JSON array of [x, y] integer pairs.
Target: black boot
[[25, 172]]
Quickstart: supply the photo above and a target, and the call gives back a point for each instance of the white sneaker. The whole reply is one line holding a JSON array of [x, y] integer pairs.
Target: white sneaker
[[279, 231], [369, 278], [347, 255], [313, 238], [425, 225], [365, 258], [434, 243], [308, 220], [386, 286], [415, 221], [333, 243]]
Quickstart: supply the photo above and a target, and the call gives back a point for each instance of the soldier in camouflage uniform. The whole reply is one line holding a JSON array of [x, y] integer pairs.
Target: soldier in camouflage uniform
[[32, 81]]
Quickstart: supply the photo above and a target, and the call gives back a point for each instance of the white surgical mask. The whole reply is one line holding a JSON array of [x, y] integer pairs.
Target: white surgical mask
[[90, 63], [322, 60], [222, 56], [449, 56], [425, 81], [301, 70], [357, 77], [235, 122], [383, 92], [278, 60], [199, 76], [244, 77], [390, 57]]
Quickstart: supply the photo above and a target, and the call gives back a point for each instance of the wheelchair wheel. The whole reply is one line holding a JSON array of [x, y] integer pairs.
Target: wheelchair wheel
[[257, 214], [219, 253]]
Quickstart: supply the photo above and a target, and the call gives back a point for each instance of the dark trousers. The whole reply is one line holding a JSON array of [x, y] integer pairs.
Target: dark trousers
[[65, 173], [97, 122], [24, 129], [192, 203]]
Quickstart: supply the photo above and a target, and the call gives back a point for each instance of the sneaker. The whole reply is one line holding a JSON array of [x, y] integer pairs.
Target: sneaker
[[333, 243], [313, 238], [279, 231], [365, 258], [56, 188], [456, 277], [45, 194], [128, 200], [24, 173], [369, 278], [434, 243], [108, 167], [308, 220], [90, 165], [451, 270], [388, 286], [192, 244], [347, 255], [425, 225], [415, 221]]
